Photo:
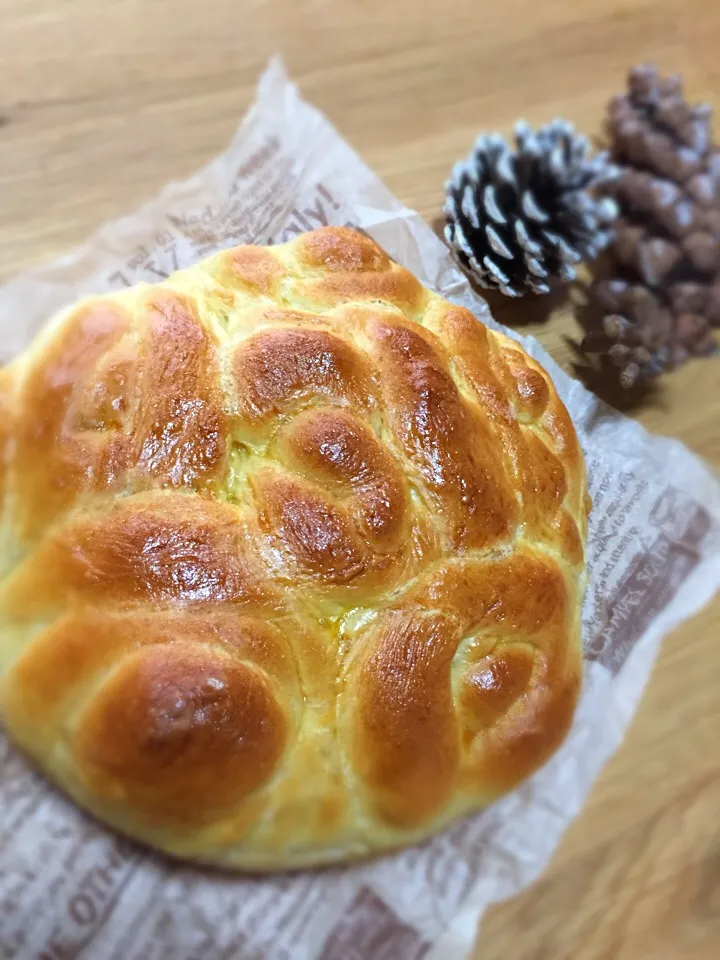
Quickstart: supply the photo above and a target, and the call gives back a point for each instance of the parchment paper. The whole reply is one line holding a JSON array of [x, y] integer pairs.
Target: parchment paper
[[70, 888]]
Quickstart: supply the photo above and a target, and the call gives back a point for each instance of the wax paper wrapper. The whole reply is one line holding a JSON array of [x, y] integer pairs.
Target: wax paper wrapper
[[69, 888]]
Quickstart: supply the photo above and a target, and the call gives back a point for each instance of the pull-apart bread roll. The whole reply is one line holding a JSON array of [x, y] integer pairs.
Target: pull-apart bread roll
[[292, 557]]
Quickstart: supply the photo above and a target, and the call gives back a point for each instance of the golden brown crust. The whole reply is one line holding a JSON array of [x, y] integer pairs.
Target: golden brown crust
[[284, 366], [441, 438], [406, 748], [118, 402], [180, 734], [294, 556], [162, 550]]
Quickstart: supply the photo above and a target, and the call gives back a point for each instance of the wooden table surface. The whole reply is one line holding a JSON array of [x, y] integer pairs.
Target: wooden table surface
[[102, 101]]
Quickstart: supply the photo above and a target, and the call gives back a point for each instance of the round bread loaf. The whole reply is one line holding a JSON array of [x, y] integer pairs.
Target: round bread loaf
[[292, 557]]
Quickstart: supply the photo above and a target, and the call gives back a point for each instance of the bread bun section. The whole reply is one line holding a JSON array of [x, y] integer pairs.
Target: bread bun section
[[293, 557]]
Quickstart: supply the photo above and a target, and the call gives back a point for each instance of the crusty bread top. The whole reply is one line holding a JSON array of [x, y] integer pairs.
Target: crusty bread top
[[293, 556]]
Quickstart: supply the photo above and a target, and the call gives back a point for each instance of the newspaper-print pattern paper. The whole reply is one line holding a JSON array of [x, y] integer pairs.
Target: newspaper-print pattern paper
[[71, 889]]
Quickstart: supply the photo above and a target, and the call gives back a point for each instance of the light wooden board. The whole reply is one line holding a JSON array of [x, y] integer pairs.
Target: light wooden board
[[101, 102]]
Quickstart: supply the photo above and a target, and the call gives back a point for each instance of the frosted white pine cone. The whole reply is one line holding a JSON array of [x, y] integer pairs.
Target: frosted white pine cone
[[516, 219]]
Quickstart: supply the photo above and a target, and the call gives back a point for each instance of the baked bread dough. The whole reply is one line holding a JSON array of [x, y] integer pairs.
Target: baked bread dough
[[292, 557]]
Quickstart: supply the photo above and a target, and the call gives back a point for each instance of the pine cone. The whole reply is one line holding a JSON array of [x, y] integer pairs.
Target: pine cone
[[517, 219], [663, 295]]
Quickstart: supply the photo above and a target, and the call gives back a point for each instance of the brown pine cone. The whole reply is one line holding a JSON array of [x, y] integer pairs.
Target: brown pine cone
[[662, 298]]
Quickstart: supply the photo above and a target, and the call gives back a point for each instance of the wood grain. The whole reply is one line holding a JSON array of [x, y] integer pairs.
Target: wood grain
[[101, 102]]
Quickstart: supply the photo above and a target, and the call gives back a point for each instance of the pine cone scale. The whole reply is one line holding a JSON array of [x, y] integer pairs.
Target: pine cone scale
[[491, 206]]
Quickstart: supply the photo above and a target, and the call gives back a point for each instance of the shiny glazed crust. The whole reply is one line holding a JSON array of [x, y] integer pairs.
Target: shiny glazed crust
[[292, 557]]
